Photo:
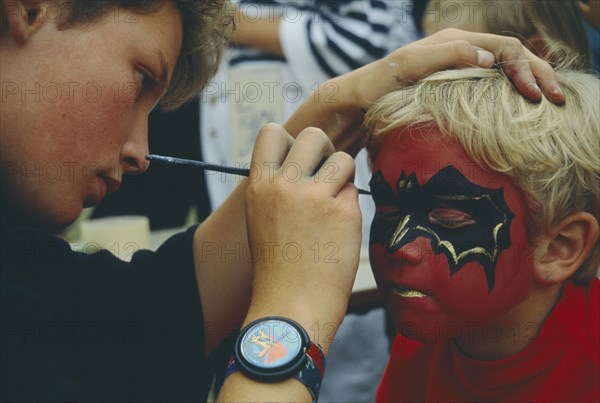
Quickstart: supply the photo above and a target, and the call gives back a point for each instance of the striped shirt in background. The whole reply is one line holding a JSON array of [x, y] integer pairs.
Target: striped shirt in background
[[320, 39]]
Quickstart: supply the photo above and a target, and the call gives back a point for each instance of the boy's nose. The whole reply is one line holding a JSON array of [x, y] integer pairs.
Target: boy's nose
[[412, 252]]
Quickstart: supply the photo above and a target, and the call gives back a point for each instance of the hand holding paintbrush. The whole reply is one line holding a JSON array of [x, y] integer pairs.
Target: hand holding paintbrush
[[305, 231]]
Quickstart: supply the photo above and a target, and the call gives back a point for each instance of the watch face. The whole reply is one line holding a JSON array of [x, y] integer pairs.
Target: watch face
[[272, 346]]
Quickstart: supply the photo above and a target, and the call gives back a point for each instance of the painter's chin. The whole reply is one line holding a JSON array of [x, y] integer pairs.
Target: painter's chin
[[54, 222], [62, 220], [49, 211]]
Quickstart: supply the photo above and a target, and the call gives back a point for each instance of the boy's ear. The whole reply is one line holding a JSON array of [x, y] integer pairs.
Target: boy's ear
[[565, 247], [23, 18]]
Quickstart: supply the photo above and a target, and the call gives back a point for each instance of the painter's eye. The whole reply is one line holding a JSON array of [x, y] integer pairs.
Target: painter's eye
[[450, 218], [146, 80]]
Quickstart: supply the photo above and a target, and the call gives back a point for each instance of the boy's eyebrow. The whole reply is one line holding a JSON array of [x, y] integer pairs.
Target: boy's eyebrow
[[377, 186]]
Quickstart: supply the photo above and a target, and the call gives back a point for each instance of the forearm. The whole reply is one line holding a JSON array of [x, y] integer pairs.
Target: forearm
[[338, 105], [335, 108], [223, 268], [309, 214]]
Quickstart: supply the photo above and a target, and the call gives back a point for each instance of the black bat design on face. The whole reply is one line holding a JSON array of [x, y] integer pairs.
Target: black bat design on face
[[481, 237]]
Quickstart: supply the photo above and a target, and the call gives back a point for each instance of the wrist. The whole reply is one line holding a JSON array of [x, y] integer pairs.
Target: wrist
[[275, 349]]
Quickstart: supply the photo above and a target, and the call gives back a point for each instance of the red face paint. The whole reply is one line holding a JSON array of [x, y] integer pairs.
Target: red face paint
[[449, 247]]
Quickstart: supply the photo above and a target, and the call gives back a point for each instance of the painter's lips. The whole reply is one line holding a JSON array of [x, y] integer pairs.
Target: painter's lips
[[404, 291]]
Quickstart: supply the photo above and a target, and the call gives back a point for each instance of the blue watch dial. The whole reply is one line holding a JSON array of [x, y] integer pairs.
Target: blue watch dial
[[271, 344]]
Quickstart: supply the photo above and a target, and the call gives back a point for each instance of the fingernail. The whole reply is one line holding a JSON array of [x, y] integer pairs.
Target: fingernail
[[556, 90], [534, 88], [485, 58]]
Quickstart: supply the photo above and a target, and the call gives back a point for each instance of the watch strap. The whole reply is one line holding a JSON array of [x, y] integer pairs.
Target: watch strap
[[315, 352], [309, 374]]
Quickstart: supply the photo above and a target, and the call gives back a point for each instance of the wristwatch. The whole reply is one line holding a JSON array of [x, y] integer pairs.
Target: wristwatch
[[275, 348]]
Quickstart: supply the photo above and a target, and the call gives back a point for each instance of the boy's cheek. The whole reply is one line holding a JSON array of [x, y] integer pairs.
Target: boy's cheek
[[378, 260]]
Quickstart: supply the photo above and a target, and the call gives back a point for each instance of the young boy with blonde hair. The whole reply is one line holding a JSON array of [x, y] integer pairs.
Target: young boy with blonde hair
[[485, 238]]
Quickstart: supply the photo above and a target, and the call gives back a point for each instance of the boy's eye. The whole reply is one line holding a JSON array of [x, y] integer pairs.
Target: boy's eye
[[450, 218], [384, 209]]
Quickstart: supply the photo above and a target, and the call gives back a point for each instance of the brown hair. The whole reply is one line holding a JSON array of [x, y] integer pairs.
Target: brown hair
[[207, 28]]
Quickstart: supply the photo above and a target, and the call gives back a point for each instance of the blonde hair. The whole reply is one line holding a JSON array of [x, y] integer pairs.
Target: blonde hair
[[549, 151], [552, 20]]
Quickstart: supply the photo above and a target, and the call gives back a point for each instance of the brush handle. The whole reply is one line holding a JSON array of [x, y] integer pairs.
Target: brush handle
[[208, 166]]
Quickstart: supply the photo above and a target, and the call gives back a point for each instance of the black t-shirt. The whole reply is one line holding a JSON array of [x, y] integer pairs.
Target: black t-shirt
[[92, 327]]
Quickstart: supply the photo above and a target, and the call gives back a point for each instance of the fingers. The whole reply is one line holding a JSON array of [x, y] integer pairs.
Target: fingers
[[457, 53], [308, 152], [337, 172], [312, 146], [348, 196], [292, 160], [271, 147], [312, 150], [531, 75], [545, 78]]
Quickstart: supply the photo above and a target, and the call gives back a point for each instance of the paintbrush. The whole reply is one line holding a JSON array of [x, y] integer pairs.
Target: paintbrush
[[211, 166]]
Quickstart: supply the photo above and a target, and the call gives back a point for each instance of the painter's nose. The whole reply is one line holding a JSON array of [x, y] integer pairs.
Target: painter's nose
[[135, 149]]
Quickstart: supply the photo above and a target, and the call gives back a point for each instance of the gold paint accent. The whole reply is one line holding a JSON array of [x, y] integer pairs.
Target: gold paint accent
[[401, 184], [409, 293], [476, 250], [450, 247], [409, 185], [400, 230]]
